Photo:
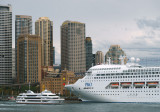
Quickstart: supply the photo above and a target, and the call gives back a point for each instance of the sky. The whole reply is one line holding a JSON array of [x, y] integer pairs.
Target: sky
[[133, 24]]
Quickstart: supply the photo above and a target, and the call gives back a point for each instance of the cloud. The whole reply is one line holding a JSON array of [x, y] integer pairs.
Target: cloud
[[148, 36], [149, 23]]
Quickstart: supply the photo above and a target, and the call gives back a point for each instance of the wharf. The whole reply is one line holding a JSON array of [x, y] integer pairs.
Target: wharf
[[72, 100]]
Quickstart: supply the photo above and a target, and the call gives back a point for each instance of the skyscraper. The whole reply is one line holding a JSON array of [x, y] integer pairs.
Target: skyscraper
[[114, 53], [89, 55], [23, 25], [13, 65], [94, 59], [5, 44], [29, 58], [99, 57], [53, 55], [73, 51], [44, 28]]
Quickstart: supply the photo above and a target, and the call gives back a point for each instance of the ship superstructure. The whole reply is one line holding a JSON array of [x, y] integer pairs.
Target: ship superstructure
[[119, 83]]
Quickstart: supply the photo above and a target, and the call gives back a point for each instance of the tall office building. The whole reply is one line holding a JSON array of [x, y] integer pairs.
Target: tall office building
[[13, 65], [53, 55], [89, 55], [99, 57], [44, 28], [29, 59], [73, 52], [94, 59], [23, 25], [5, 44], [114, 53]]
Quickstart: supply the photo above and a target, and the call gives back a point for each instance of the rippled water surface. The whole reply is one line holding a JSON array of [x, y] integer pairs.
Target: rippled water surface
[[81, 107]]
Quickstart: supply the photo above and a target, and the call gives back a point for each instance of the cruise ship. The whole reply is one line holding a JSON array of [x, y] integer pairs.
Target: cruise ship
[[119, 83], [45, 97]]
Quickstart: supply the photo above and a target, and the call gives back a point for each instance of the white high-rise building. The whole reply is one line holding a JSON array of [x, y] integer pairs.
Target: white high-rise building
[[5, 44]]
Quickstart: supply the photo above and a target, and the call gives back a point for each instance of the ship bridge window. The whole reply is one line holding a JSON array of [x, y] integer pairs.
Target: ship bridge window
[[89, 73]]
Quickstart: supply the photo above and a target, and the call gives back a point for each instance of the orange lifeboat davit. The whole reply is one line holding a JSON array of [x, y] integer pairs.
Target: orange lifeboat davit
[[126, 83], [139, 83], [114, 84], [152, 83]]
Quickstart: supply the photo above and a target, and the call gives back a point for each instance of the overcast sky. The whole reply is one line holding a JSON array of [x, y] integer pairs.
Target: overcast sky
[[133, 24]]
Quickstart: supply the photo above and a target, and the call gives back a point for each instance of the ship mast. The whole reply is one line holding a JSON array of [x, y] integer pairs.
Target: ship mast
[[29, 85]]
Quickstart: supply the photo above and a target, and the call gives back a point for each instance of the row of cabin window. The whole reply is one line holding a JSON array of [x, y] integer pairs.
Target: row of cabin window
[[142, 70], [118, 94], [125, 91], [128, 73], [143, 76], [106, 68]]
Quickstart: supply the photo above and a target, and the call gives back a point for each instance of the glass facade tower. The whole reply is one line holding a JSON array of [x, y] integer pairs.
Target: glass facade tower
[[89, 55], [5, 44], [23, 25]]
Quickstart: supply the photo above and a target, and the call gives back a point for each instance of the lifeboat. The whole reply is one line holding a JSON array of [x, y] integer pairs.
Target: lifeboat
[[152, 83], [139, 83], [126, 83], [114, 84]]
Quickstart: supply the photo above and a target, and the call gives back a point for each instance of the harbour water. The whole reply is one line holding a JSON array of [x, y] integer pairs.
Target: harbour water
[[7, 106]]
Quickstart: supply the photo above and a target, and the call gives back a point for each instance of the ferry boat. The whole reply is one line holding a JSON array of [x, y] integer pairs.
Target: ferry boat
[[119, 83], [45, 97]]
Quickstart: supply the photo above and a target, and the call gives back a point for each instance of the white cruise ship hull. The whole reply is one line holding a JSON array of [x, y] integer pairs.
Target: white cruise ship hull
[[120, 95], [119, 84]]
